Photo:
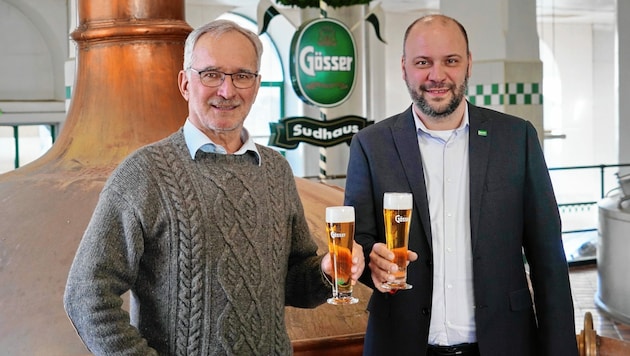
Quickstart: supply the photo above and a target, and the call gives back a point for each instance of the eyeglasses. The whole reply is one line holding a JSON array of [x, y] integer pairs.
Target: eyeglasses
[[214, 78]]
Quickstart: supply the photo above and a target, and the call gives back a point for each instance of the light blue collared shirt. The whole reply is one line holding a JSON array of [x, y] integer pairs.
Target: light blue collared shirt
[[197, 140], [446, 174]]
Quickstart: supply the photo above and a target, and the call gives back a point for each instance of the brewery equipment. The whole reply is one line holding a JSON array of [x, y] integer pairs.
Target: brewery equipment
[[125, 95], [624, 185], [613, 252]]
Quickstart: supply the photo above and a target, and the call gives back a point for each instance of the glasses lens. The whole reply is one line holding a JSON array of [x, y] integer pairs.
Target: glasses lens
[[212, 78], [243, 80]]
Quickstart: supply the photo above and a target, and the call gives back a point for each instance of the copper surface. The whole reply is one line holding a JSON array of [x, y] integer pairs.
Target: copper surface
[[591, 344], [125, 95]]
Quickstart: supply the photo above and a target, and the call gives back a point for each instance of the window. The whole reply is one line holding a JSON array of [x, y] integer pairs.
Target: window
[[270, 100]]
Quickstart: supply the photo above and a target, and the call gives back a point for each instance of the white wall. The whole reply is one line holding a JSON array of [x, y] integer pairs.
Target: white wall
[[33, 38], [605, 118], [395, 96], [34, 46], [585, 97]]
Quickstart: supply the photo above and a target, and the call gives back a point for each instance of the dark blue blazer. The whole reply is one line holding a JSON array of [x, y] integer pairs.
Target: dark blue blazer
[[512, 210]]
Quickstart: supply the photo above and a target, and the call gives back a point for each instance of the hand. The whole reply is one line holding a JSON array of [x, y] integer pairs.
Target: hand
[[358, 263], [381, 264]]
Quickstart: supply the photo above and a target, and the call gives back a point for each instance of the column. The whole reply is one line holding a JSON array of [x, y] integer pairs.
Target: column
[[623, 81], [507, 70]]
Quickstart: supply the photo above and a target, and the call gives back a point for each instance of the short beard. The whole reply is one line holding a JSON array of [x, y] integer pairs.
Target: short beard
[[421, 103]]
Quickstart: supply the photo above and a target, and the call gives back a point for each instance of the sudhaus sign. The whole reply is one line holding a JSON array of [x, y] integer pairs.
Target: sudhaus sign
[[289, 132], [323, 73], [323, 70]]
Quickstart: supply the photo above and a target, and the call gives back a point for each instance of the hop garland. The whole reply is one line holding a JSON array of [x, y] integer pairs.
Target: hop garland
[[315, 3]]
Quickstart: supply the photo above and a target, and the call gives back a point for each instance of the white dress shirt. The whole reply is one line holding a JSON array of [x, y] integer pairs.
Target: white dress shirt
[[197, 140], [446, 174]]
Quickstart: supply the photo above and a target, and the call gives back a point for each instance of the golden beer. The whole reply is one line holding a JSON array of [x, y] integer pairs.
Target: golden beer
[[340, 230], [397, 209]]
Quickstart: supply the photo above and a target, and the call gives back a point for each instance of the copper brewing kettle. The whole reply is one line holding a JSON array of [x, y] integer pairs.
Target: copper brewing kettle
[[125, 95]]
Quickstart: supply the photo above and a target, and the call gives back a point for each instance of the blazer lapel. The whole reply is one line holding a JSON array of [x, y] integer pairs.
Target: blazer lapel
[[480, 136], [406, 141]]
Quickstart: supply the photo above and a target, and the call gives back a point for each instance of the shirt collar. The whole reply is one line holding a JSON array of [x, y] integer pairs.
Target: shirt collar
[[197, 140], [420, 127]]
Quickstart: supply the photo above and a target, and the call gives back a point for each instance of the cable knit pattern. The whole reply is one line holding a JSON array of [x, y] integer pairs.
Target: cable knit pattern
[[191, 247], [212, 250], [240, 235]]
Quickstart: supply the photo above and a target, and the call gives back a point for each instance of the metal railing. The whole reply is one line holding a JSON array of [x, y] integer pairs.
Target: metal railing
[[16, 114], [16, 139], [605, 187], [578, 191], [575, 196]]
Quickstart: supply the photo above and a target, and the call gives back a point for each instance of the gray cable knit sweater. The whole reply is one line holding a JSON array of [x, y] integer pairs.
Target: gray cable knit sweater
[[212, 250]]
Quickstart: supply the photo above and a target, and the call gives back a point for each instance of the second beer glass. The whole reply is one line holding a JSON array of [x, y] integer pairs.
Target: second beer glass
[[397, 214], [340, 230]]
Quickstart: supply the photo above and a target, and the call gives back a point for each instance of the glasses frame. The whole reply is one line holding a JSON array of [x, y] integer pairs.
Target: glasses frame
[[223, 75]]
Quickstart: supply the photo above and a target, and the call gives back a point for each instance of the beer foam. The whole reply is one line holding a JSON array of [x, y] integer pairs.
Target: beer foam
[[336, 214], [397, 201]]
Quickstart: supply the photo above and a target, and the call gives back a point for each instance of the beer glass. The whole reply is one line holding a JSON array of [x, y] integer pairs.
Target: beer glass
[[340, 230], [397, 215]]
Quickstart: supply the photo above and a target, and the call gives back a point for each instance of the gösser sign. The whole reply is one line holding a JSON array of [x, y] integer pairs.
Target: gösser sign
[[323, 62]]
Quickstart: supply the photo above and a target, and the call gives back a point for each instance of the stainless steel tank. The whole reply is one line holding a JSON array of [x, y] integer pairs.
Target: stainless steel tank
[[613, 257]]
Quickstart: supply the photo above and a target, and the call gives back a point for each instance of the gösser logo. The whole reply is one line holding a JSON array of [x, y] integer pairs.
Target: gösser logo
[[399, 219], [337, 235], [323, 62]]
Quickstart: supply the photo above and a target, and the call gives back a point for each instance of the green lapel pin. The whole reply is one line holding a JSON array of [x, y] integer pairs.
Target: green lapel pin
[[482, 132]]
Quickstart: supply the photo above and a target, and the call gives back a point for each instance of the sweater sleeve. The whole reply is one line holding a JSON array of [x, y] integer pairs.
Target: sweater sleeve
[[105, 267], [305, 284]]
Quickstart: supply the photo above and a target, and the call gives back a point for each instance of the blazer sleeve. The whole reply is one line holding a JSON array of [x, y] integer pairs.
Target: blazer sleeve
[[358, 193], [545, 254]]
